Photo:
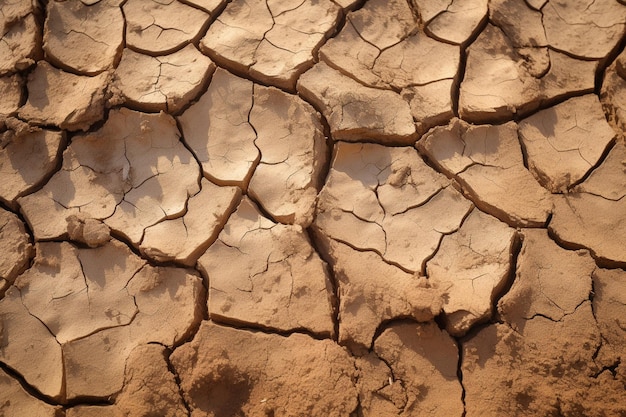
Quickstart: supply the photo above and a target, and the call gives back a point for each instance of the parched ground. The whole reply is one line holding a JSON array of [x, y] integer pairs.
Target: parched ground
[[312, 208]]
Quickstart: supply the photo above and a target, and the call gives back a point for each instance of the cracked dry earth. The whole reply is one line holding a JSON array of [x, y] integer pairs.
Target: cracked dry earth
[[313, 208]]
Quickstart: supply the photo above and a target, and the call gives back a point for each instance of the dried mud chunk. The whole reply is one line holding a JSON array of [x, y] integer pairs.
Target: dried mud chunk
[[564, 142], [56, 97], [20, 41], [569, 26], [541, 359], [550, 281], [168, 306], [487, 161], [16, 402], [508, 15], [15, 248], [503, 79], [225, 107], [91, 232], [355, 112], [76, 292], [185, 238], [613, 93], [592, 216], [472, 266], [593, 222], [27, 347], [268, 40], [165, 83], [225, 371], [11, 93], [26, 161], [381, 47], [131, 173], [158, 26], [607, 180], [458, 21], [389, 201], [371, 291], [423, 361], [84, 38], [267, 274], [290, 138], [431, 104]]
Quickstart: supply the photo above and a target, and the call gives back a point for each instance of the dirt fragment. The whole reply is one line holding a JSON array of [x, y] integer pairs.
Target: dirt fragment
[[225, 371], [91, 232], [20, 39], [15, 248], [592, 216], [158, 27], [267, 274], [355, 112], [487, 161], [270, 41], [290, 138], [84, 38], [11, 93], [59, 98], [550, 282], [613, 94], [431, 104], [472, 266], [225, 107], [167, 83], [26, 159], [504, 78], [185, 238], [563, 143]]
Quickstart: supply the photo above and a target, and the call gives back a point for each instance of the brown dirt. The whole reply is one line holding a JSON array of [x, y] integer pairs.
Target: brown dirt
[[359, 208]]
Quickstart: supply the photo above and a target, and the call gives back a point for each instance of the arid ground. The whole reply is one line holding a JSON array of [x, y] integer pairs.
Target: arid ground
[[312, 208]]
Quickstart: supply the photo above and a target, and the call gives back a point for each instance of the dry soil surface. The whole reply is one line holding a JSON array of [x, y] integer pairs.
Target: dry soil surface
[[312, 208]]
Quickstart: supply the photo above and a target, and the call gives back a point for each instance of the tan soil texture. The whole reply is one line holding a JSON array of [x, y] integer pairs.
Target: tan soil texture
[[350, 208]]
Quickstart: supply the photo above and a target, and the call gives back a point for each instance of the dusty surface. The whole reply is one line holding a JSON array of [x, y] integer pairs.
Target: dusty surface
[[317, 208]]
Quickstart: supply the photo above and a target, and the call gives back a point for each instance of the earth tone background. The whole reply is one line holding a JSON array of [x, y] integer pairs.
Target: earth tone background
[[312, 208]]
